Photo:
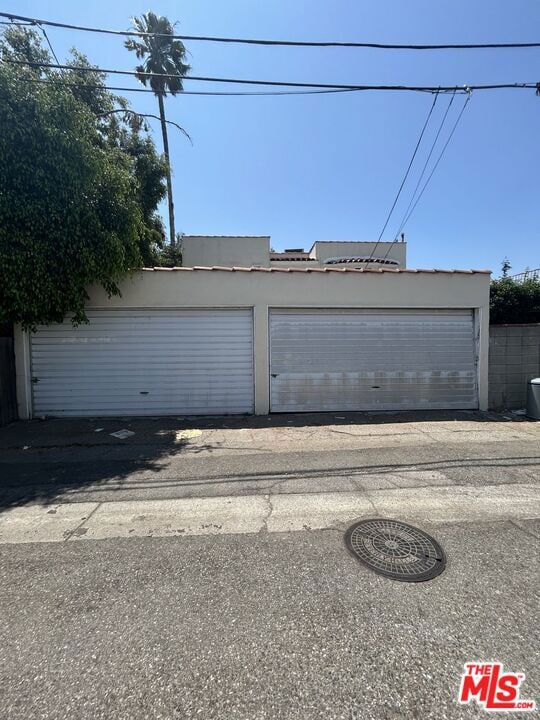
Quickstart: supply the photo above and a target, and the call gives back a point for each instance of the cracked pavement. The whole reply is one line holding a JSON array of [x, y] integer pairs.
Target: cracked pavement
[[66, 460], [164, 577]]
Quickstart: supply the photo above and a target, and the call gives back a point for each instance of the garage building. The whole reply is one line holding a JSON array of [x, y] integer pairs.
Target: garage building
[[223, 340]]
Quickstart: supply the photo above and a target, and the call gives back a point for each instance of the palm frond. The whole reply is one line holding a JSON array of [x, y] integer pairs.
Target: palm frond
[[139, 48], [141, 75], [162, 55]]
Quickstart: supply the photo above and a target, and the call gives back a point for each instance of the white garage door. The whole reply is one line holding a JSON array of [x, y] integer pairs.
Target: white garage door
[[151, 362], [371, 360]]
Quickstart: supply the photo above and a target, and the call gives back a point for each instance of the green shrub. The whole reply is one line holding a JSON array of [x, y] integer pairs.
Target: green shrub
[[514, 302]]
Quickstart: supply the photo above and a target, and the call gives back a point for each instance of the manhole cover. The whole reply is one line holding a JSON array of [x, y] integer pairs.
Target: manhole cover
[[395, 550]]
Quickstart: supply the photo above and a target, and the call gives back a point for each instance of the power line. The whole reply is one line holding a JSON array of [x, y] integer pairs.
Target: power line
[[404, 179], [32, 24], [280, 83], [49, 44], [434, 143], [406, 217], [261, 93], [438, 159], [11, 23], [279, 43]]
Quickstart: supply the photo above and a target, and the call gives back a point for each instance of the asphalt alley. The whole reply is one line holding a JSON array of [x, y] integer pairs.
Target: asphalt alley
[[68, 460], [69, 480], [198, 567], [276, 626]]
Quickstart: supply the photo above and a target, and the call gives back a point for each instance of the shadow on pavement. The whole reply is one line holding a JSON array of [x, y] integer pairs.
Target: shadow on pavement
[[42, 460]]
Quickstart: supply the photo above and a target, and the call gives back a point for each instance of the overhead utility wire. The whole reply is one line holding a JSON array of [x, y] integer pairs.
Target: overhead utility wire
[[49, 44], [279, 43], [280, 83], [16, 24], [406, 216], [43, 31], [232, 93], [404, 179], [434, 143], [438, 159]]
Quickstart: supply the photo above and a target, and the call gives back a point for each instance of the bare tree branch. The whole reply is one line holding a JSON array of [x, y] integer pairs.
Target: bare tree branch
[[147, 115]]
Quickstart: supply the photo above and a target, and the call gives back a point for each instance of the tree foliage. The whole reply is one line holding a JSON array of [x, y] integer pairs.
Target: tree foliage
[[171, 255], [514, 302], [505, 267], [79, 187], [163, 55]]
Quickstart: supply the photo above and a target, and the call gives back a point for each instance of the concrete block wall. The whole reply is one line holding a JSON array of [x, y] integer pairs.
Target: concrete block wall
[[514, 359]]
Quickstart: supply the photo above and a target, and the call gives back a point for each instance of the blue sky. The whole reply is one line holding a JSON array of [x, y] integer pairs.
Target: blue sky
[[327, 167]]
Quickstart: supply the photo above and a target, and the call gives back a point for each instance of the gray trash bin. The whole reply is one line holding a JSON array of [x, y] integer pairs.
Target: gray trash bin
[[533, 399]]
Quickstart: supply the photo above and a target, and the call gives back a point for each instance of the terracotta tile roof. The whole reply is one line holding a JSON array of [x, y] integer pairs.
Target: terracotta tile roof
[[217, 268]]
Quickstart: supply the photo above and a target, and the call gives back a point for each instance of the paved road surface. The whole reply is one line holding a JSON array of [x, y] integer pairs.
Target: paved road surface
[[67, 459], [187, 609], [281, 626]]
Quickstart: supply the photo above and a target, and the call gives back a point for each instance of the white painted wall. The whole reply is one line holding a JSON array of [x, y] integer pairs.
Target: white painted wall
[[261, 290], [207, 251], [230, 251]]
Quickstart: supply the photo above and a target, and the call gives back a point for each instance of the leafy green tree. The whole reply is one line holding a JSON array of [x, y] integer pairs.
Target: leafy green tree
[[505, 267], [163, 55], [171, 255], [24, 45], [124, 129], [514, 302], [79, 187], [150, 170]]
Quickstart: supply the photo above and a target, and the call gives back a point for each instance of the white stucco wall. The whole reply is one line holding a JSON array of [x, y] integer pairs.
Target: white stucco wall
[[229, 251], [297, 264], [207, 251], [261, 290]]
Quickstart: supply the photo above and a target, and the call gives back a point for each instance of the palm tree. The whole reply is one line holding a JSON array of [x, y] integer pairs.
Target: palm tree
[[163, 55]]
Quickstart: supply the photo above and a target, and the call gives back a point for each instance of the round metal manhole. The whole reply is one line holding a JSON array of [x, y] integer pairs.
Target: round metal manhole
[[396, 550]]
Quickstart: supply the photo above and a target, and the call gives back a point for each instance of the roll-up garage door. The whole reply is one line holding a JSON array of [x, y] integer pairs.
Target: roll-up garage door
[[142, 362], [326, 360]]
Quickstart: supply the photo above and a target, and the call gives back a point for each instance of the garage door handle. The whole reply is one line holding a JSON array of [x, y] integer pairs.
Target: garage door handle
[[274, 374]]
